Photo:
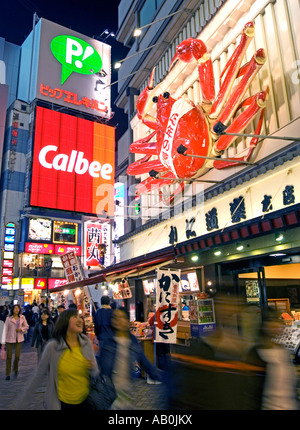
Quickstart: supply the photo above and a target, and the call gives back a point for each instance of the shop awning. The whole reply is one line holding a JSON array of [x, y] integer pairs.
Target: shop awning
[[130, 268]]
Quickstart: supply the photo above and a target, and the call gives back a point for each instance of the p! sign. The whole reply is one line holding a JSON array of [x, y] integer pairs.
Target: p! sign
[[75, 55]]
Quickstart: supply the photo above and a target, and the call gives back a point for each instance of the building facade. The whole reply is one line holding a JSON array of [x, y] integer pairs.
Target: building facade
[[246, 205], [57, 157]]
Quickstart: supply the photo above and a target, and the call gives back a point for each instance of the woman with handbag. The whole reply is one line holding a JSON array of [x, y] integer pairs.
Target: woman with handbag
[[42, 332], [69, 361], [13, 336], [119, 357]]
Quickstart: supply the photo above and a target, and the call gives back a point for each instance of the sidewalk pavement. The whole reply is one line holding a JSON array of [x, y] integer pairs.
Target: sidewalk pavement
[[145, 396]]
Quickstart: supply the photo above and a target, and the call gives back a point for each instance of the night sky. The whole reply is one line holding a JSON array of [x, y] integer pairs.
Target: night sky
[[89, 17]]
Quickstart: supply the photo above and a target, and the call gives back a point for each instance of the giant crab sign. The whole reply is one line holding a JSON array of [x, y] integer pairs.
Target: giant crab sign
[[181, 128]]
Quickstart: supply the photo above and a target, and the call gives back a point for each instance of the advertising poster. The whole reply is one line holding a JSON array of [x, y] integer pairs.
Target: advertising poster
[[71, 267], [97, 234], [73, 164]]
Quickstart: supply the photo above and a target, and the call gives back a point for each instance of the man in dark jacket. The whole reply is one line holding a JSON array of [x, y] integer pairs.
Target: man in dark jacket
[[102, 322]]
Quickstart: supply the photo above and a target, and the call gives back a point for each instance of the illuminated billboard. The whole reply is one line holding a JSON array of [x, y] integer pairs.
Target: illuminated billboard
[[73, 162], [73, 70]]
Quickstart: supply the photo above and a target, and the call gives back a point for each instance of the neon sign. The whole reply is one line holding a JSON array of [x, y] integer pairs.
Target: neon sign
[[75, 55]]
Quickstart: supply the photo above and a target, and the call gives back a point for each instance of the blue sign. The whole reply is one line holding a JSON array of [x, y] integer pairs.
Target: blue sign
[[198, 330], [9, 247], [10, 231]]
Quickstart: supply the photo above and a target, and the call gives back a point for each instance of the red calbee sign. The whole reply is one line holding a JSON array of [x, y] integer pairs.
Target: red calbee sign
[[72, 159]]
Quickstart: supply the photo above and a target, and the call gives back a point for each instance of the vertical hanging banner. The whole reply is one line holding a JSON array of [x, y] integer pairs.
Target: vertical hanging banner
[[167, 294], [71, 266]]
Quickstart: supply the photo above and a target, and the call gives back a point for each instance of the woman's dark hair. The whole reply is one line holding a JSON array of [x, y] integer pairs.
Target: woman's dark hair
[[46, 311], [12, 310], [62, 324]]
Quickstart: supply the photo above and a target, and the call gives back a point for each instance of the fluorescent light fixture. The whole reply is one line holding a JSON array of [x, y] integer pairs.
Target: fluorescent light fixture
[[195, 258], [239, 246], [278, 254], [217, 252], [279, 237]]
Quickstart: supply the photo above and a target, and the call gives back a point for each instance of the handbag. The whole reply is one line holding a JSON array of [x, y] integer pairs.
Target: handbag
[[102, 393], [3, 353]]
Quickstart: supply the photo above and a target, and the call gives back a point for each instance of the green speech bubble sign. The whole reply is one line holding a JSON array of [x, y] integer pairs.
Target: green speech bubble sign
[[75, 55]]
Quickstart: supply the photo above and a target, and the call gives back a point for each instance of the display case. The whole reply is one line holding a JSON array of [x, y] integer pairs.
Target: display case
[[202, 316]]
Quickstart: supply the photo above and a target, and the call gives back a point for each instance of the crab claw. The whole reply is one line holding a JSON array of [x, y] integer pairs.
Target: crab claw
[[144, 104], [194, 49], [188, 50]]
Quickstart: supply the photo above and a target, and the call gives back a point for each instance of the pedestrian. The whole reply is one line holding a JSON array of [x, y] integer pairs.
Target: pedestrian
[[102, 323], [68, 361], [60, 309], [118, 359], [278, 382], [28, 314], [163, 350], [42, 332], [13, 336], [2, 321]]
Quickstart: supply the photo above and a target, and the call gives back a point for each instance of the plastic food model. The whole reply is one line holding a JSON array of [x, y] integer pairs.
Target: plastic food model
[[181, 128]]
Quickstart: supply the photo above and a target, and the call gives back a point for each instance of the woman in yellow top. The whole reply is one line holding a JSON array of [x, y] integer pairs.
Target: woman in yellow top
[[69, 361]]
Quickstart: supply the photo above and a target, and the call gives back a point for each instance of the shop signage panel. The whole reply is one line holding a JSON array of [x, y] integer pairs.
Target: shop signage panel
[[39, 248], [40, 229], [167, 295], [65, 232], [56, 282], [40, 283], [7, 271], [27, 283], [97, 234], [71, 266], [8, 255], [63, 249], [7, 280], [8, 263], [10, 247], [74, 70], [73, 164], [16, 284]]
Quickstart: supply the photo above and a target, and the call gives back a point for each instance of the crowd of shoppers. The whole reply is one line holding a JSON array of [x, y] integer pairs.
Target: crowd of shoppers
[[237, 367]]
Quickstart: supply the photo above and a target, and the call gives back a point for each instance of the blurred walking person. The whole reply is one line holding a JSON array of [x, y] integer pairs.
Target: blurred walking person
[[68, 361], [118, 359], [278, 386], [13, 336], [42, 332]]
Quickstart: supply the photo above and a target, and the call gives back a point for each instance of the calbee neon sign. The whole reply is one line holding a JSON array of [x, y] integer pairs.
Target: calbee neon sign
[[75, 162]]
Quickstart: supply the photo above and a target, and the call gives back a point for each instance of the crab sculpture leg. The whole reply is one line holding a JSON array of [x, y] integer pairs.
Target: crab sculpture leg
[[219, 111]]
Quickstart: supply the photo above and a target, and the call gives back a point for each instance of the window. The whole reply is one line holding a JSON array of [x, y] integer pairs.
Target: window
[[148, 10]]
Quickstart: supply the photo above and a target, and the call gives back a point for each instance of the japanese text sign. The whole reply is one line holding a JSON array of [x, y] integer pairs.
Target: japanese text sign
[[73, 68], [71, 267], [167, 294]]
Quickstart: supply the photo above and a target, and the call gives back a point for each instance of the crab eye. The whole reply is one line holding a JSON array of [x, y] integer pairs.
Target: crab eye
[[155, 99], [166, 95]]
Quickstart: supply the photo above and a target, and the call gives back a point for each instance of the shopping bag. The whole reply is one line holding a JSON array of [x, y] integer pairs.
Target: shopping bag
[[3, 353], [102, 393]]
